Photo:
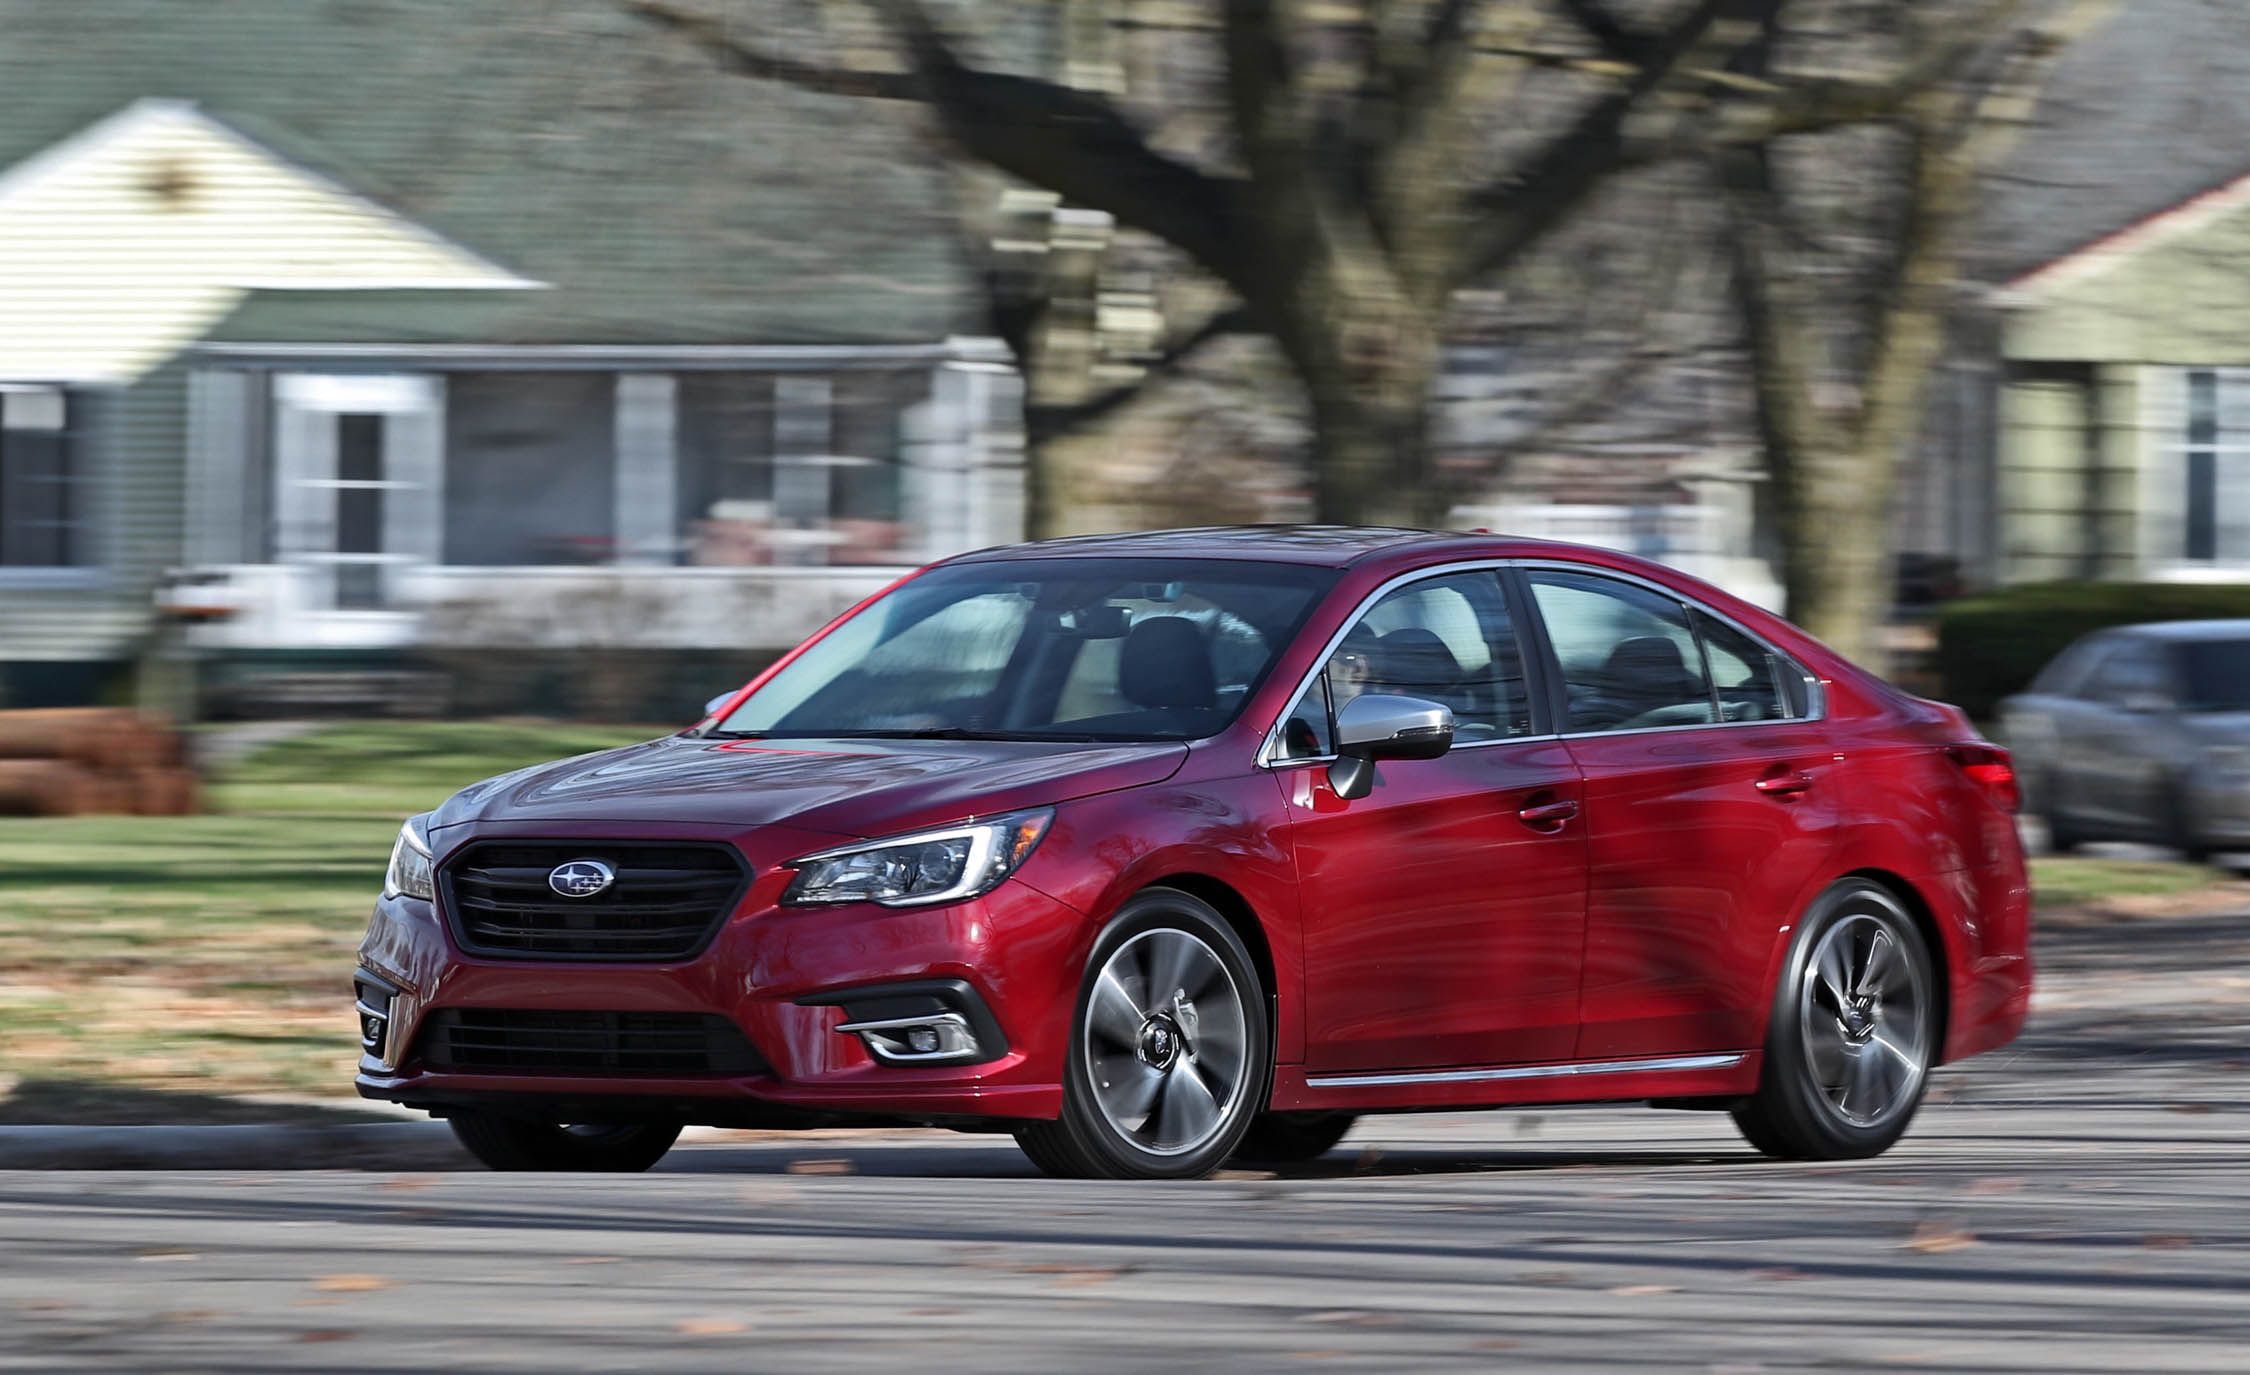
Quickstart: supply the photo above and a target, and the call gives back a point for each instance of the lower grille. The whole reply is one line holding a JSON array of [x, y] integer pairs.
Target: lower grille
[[664, 904], [511, 1040]]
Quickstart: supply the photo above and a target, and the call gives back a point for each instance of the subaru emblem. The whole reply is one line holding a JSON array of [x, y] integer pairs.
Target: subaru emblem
[[581, 878]]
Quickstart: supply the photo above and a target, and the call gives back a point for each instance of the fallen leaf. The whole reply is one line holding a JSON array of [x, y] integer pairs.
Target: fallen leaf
[[711, 1327], [190, 1315], [326, 1334], [1244, 1174], [2166, 1241], [820, 1167], [352, 1284], [154, 1253], [1075, 1274], [1634, 1291], [2192, 1109], [1997, 1185], [590, 1260], [1779, 1272], [1937, 1238], [410, 1181]]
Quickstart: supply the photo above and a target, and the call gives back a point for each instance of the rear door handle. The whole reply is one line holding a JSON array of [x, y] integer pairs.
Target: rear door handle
[[1782, 782], [1547, 816]]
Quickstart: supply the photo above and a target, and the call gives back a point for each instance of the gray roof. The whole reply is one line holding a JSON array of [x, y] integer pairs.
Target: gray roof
[[2177, 631], [2142, 114], [666, 201]]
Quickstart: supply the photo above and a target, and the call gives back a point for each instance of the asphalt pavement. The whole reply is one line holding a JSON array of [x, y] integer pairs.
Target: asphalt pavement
[[2077, 1203]]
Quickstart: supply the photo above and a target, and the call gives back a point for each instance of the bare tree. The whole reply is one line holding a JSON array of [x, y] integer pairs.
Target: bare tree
[[1370, 162], [1847, 251]]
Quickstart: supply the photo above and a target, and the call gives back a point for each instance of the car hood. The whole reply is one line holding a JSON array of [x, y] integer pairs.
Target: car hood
[[842, 787]]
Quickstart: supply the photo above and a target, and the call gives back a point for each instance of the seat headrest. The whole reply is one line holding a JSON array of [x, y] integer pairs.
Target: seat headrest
[[1648, 661], [1165, 664], [1416, 661]]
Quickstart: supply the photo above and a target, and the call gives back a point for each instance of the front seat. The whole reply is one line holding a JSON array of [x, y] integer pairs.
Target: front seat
[[1165, 666], [1415, 662], [1647, 673]]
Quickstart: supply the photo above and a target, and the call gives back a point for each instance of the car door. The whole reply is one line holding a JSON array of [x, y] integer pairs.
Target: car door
[[1706, 811], [1444, 912], [2117, 762]]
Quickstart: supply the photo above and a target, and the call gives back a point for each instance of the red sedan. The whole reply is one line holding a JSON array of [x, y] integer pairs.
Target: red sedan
[[1156, 850]]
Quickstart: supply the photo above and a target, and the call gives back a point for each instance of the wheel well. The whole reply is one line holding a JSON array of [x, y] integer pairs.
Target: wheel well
[[1925, 921], [1239, 915]]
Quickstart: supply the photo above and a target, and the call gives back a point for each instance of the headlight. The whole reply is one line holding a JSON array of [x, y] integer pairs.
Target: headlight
[[409, 873], [914, 870]]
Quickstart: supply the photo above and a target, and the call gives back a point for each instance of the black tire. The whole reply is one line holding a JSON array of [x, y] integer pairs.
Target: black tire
[[1853, 1033], [504, 1142], [2180, 827], [1214, 1033], [2062, 837], [1292, 1138]]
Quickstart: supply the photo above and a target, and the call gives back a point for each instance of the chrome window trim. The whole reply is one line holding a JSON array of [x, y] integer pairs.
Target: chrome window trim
[[1816, 691]]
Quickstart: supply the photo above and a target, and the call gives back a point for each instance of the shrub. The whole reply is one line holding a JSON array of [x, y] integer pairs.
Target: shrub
[[1994, 644]]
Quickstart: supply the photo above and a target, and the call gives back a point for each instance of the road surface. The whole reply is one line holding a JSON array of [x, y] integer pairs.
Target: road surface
[[2075, 1204]]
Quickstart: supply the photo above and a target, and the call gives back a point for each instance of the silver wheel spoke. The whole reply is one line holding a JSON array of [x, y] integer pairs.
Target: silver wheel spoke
[[1833, 974], [1128, 1086], [1114, 1015], [1882, 955], [1824, 1045], [1187, 1112]]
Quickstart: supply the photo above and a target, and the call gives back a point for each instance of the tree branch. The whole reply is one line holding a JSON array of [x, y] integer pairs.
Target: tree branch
[[1520, 209], [1043, 423], [1076, 144], [1610, 33], [716, 39]]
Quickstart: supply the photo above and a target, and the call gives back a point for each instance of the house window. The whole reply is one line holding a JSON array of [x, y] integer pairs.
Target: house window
[[2202, 515], [38, 499]]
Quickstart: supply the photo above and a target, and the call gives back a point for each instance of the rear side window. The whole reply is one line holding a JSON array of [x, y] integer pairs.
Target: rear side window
[[1752, 681], [1629, 656]]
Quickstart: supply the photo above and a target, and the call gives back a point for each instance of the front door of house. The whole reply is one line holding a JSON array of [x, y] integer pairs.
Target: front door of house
[[358, 464]]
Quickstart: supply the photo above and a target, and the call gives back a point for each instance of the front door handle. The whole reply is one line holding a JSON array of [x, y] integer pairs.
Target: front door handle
[[1785, 782], [1550, 816]]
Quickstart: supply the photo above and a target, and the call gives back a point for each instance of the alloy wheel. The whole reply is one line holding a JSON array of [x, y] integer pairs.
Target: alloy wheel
[[1166, 1041], [1865, 1016]]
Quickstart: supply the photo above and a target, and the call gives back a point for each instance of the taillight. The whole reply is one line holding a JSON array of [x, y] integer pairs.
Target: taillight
[[1991, 768]]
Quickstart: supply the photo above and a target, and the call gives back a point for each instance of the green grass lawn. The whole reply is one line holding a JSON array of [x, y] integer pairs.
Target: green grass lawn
[[213, 954], [160, 968]]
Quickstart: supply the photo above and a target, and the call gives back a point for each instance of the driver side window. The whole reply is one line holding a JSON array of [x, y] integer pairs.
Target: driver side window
[[1449, 640]]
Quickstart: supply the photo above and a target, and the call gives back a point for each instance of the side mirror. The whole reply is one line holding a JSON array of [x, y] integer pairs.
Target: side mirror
[[719, 701], [1379, 726]]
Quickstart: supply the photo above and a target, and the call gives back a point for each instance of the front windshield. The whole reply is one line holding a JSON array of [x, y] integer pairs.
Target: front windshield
[[2215, 675], [1045, 649]]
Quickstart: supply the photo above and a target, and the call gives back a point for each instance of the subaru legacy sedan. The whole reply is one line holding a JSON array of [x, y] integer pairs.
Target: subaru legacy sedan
[[1155, 850]]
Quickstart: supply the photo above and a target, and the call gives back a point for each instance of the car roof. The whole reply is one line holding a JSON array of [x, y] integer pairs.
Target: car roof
[[1332, 546], [2179, 631]]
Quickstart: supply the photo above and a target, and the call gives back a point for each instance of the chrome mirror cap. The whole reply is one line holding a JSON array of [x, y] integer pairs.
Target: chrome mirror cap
[[1380, 726]]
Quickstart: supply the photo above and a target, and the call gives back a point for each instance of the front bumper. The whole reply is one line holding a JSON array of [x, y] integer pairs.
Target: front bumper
[[787, 978]]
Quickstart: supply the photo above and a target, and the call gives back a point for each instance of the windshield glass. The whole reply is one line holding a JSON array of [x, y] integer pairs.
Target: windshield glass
[[2215, 675], [1045, 649]]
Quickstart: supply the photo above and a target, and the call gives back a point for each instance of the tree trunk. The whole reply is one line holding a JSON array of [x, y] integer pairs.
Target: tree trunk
[[1369, 375], [1836, 543]]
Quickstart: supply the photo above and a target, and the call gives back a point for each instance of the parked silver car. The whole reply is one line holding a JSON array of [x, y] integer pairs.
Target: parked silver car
[[2140, 733]]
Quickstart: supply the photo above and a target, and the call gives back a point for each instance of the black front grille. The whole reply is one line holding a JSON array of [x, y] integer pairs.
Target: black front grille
[[666, 902], [513, 1040]]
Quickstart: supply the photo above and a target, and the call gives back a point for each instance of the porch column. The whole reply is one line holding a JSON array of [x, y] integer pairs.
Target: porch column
[[647, 468]]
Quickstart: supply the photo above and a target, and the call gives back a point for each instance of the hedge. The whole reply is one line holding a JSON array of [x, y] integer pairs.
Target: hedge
[[1994, 644]]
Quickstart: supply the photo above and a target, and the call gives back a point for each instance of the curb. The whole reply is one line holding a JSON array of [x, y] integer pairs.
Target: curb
[[259, 1146]]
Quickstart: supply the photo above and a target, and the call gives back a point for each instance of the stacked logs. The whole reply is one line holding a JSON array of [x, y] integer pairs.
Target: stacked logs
[[84, 760]]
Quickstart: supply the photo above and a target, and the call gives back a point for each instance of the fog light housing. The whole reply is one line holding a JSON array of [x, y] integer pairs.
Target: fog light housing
[[928, 1038], [373, 1005]]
